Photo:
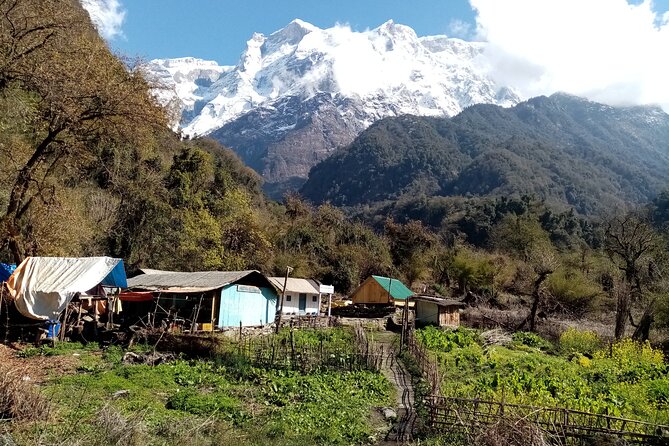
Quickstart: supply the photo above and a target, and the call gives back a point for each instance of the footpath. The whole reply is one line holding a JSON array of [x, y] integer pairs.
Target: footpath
[[398, 375]]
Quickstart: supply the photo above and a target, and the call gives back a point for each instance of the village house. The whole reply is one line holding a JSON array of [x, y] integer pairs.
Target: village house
[[378, 290], [204, 300], [302, 296], [433, 310]]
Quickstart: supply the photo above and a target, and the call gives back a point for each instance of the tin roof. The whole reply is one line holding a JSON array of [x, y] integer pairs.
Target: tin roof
[[195, 281], [296, 285], [395, 287], [440, 301]]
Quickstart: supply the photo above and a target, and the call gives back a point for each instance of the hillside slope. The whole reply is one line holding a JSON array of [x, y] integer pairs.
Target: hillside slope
[[561, 148], [301, 92]]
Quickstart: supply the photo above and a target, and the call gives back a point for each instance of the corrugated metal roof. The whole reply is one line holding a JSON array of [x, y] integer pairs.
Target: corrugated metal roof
[[296, 285], [197, 281], [440, 301], [395, 287]]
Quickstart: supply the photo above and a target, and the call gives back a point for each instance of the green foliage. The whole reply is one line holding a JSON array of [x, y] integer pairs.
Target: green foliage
[[658, 391], [331, 406], [519, 236], [491, 151], [478, 271], [59, 348], [630, 361], [446, 340], [208, 404], [290, 408], [531, 340], [574, 341], [628, 380], [573, 290]]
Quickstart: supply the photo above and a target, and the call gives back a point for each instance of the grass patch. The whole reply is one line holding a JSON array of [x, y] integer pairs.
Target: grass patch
[[223, 400]]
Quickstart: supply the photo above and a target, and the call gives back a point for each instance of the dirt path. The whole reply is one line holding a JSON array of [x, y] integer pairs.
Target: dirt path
[[397, 374]]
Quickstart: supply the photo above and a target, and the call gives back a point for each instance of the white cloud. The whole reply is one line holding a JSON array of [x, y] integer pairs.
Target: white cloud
[[460, 28], [107, 16], [607, 50], [361, 62]]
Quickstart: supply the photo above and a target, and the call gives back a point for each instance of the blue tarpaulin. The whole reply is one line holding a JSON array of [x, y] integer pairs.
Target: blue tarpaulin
[[116, 278], [6, 271]]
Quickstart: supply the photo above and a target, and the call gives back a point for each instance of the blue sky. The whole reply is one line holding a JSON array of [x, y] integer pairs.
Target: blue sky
[[218, 30], [612, 51]]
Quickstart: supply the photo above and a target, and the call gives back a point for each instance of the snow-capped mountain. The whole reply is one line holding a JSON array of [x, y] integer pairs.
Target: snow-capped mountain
[[300, 92]]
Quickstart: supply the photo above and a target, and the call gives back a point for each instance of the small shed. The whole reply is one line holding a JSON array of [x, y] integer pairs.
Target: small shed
[[42, 287], [209, 299], [434, 310], [302, 297], [380, 290]]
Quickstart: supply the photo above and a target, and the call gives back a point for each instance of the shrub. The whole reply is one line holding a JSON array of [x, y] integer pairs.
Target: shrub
[[582, 342], [114, 428], [630, 361], [531, 340], [573, 290], [658, 391], [446, 340], [511, 433], [19, 400]]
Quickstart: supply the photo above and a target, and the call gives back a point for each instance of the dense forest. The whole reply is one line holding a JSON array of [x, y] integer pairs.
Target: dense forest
[[90, 167], [571, 152]]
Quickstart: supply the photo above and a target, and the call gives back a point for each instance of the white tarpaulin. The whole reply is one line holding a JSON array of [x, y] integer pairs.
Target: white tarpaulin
[[43, 286]]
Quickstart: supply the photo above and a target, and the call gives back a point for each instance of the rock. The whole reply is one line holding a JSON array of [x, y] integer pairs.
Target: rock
[[121, 394], [148, 358], [132, 358], [389, 414]]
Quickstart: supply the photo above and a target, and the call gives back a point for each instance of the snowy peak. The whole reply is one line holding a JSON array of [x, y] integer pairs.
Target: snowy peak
[[299, 93], [290, 35], [389, 68]]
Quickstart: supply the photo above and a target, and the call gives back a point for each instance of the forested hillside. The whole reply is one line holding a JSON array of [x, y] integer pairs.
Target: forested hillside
[[90, 167], [565, 150]]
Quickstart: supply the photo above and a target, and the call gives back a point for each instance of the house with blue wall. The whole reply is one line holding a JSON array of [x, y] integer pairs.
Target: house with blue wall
[[207, 300]]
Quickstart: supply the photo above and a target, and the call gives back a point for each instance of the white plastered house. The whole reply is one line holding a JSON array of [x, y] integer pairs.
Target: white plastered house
[[302, 297]]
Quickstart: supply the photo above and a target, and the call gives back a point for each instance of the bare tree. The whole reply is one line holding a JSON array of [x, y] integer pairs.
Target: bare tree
[[544, 262], [630, 242]]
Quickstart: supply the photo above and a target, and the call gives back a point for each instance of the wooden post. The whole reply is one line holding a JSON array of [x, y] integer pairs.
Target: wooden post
[[155, 310], [279, 307], [329, 305], [96, 316], [193, 325], [292, 345], [61, 335], [240, 331], [405, 323], [213, 311]]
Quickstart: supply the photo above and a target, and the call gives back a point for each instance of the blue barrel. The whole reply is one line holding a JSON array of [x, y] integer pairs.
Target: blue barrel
[[52, 329]]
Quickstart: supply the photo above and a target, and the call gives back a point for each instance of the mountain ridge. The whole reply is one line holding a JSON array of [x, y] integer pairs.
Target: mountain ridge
[[561, 148], [346, 79]]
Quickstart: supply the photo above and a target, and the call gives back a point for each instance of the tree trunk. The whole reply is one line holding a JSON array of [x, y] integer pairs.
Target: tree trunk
[[536, 298], [17, 203], [642, 332], [622, 311]]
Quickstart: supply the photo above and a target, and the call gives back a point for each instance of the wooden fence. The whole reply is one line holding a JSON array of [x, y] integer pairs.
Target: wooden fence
[[371, 353], [569, 427], [425, 360], [290, 353]]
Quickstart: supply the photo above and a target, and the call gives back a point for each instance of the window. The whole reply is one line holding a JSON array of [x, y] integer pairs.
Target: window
[[288, 298], [314, 299]]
